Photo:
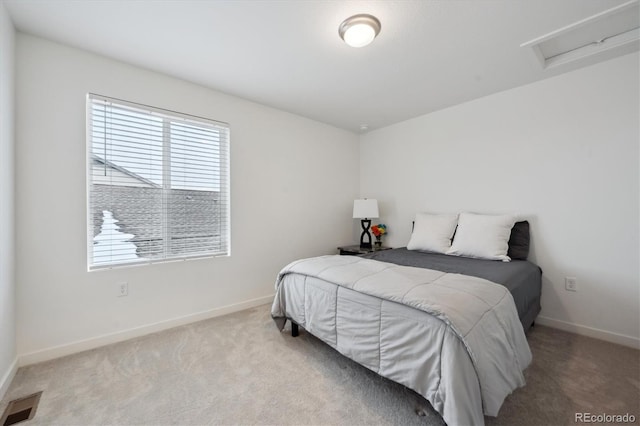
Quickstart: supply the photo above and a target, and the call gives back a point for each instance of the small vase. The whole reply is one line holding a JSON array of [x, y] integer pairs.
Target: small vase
[[378, 242]]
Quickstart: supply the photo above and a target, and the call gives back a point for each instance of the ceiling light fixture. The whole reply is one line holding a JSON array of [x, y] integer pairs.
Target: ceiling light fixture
[[359, 30]]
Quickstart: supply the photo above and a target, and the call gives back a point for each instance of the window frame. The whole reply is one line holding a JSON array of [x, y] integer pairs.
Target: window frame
[[224, 184]]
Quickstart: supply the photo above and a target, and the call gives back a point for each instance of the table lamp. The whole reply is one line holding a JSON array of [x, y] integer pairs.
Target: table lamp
[[365, 210]]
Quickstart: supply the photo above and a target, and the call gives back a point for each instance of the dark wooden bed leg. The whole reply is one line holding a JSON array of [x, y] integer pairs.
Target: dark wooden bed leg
[[294, 329]]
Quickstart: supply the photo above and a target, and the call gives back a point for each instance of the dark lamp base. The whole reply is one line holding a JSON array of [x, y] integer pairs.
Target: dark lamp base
[[365, 238]]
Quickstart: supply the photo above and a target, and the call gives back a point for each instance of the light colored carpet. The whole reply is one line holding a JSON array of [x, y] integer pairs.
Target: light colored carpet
[[239, 369]]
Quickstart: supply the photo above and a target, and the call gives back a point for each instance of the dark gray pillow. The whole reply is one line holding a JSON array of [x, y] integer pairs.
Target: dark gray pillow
[[519, 241]]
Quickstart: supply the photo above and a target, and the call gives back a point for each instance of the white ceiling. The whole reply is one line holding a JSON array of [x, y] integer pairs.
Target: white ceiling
[[287, 54]]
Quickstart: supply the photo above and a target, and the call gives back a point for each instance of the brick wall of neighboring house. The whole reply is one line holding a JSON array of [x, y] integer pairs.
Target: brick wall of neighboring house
[[139, 212]]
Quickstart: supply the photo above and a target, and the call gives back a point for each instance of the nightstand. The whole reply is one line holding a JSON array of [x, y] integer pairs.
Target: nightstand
[[355, 250]]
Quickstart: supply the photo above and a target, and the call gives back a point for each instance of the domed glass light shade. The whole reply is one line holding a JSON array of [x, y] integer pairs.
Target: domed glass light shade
[[359, 30]]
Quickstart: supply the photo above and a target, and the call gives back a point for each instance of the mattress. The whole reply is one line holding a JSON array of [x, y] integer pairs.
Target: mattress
[[522, 278]]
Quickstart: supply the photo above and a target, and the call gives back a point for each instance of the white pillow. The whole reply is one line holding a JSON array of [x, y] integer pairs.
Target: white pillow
[[433, 232], [483, 236]]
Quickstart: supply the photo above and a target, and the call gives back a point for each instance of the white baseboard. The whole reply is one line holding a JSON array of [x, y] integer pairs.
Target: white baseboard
[[8, 376], [119, 336], [596, 333]]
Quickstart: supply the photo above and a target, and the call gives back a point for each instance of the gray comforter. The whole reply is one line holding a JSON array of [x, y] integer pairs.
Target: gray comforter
[[522, 278], [455, 339]]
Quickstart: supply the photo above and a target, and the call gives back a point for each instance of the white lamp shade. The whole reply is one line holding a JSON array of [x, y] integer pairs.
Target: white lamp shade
[[365, 209]]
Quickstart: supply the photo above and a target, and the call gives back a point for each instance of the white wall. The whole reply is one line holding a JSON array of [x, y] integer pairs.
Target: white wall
[[293, 182], [7, 237], [563, 152]]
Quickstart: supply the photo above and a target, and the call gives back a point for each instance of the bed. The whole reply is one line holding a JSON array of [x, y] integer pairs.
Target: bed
[[450, 328]]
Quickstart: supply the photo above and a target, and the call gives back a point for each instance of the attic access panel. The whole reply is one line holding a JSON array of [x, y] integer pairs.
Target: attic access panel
[[615, 31]]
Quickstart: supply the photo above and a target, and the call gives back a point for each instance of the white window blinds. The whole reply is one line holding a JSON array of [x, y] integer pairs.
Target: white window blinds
[[158, 184]]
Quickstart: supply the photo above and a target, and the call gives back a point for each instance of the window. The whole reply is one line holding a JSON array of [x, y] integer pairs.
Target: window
[[158, 184]]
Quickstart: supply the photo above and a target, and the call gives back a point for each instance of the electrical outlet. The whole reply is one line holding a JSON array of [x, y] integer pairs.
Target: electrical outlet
[[571, 284], [123, 289]]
